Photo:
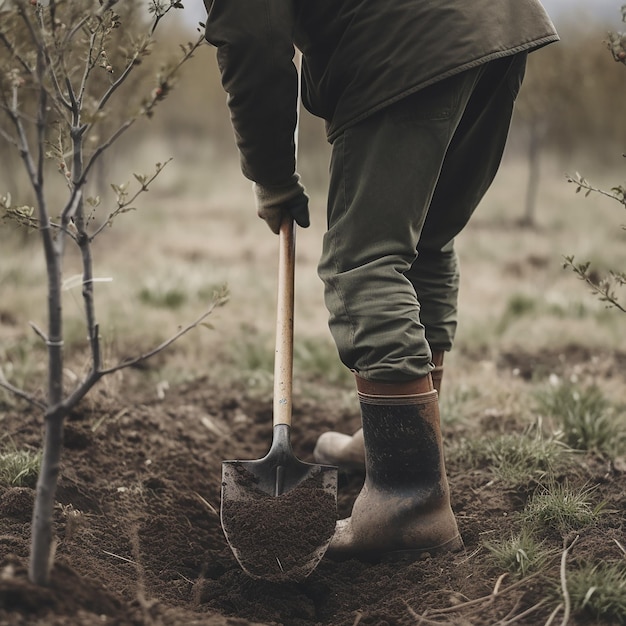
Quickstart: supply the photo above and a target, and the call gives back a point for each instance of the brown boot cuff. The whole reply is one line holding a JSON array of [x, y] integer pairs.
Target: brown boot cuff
[[421, 399], [408, 388]]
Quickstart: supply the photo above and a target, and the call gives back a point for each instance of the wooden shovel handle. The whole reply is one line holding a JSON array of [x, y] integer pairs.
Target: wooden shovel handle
[[283, 359]]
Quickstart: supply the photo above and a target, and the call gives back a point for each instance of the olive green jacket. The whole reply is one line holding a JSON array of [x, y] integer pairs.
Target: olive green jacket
[[358, 57]]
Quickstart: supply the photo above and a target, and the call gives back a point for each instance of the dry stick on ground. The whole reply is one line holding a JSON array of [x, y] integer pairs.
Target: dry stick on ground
[[565, 605], [519, 616], [566, 599], [553, 615], [476, 604]]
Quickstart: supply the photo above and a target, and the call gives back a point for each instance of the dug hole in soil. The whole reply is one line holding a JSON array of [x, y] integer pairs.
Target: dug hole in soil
[[139, 540]]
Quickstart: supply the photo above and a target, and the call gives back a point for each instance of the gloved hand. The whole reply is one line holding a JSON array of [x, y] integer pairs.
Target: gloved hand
[[273, 202]]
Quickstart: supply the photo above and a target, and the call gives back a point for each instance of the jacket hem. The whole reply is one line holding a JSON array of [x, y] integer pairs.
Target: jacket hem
[[333, 133]]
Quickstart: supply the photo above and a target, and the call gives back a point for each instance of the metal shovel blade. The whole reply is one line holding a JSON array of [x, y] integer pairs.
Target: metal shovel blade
[[278, 513]]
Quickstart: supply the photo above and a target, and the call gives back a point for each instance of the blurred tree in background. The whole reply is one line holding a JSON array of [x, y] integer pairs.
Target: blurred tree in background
[[570, 104]]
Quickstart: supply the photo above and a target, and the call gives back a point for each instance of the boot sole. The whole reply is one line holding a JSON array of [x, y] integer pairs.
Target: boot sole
[[401, 556], [409, 556]]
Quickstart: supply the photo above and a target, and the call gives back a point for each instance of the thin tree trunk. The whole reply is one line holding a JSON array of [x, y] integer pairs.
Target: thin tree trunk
[[41, 536], [42, 545]]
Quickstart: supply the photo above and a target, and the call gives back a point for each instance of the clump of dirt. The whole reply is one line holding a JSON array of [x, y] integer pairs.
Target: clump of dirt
[[277, 537], [139, 539]]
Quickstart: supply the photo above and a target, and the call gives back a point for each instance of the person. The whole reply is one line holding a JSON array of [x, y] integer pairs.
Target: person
[[417, 98]]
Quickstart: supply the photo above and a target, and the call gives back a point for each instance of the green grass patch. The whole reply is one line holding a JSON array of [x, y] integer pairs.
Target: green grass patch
[[587, 418], [521, 554], [515, 458], [19, 468], [561, 507], [600, 591]]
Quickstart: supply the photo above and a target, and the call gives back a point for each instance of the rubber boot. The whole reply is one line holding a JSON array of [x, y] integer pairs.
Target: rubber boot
[[347, 452], [403, 510]]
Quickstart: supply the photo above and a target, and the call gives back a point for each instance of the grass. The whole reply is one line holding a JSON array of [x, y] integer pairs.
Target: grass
[[19, 468], [562, 507], [521, 554], [599, 590], [515, 459], [585, 415]]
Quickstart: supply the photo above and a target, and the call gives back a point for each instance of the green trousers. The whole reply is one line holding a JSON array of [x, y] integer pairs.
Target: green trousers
[[403, 184]]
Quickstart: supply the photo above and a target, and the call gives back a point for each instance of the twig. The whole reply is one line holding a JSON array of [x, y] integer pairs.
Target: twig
[[476, 601], [127, 203], [505, 619], [207, 504], [583, 184], [8, 138], [553, 615], [357, 619], [523, 614], [39, 332], [422, 619], [16, 391], [164, 345], [95, 375], [567, 604], [620, 546], [498, 583], [121, 558]]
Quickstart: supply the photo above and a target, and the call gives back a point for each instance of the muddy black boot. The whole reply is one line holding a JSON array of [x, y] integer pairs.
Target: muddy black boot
[[347, 452], [403, 510]]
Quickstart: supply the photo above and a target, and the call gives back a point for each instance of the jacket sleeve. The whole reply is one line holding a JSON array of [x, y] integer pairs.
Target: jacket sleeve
[[255, 54]]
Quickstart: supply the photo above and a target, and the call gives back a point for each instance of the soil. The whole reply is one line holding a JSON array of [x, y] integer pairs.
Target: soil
[[139, 539]]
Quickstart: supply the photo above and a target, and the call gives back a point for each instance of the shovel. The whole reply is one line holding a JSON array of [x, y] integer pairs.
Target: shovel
[[278, 513]]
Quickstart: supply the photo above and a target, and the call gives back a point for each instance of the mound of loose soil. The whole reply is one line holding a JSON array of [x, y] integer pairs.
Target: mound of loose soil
[[139, 540]]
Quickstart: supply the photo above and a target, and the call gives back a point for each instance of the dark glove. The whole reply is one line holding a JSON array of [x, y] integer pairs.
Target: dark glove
[[273, 202]]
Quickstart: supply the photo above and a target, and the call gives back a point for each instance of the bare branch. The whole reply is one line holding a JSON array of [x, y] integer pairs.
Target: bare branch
[[58, 97], [8, 138], [604, 288], [13, 52], [41, 122], [39, 332], [66, 218], [5, 384], [93, 158], [617, 193], [90, 63], [149, 106], [21, 10], [95, 375], [77, 28], [123, 206], [166, 343], [117, 83]]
